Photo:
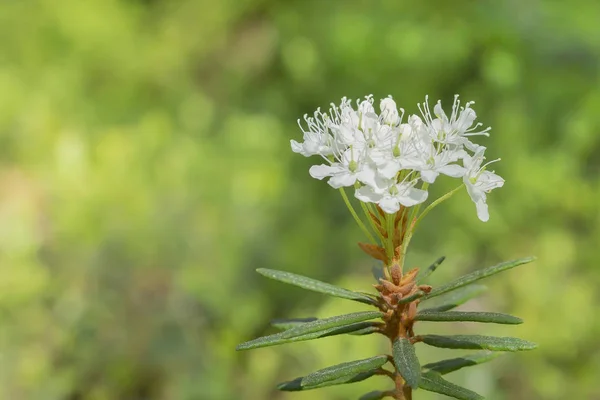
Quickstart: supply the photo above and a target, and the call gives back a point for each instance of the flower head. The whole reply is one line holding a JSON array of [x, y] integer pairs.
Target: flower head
[[391, 163]]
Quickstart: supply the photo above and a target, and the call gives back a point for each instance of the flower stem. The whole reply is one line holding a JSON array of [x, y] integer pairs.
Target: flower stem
[[423, 214], [367, 213], [389, 219], [436, 203], [356, 218]]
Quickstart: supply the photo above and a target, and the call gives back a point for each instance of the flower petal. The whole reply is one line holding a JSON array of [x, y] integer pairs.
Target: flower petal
[[389, 204], [367, 195], [453, 170], [342, 179], [323, 170]]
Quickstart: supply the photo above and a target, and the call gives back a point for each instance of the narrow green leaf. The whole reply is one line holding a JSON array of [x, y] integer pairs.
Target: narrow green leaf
[[331, 322], [290, 323], [296, 384], [477, 275], [407, 362], [454, 364], [433, 382], [375, 395], [313, 330], [467, 316], [314, 285], [457, 297], [362, 328], [493, 343], [339, 371], [369, 327], [423, 275], [412, 297]]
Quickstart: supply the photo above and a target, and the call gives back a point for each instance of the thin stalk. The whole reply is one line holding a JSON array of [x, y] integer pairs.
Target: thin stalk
[[423, 214], [355, 216], [372, 223], [436, 203], [389, 222]]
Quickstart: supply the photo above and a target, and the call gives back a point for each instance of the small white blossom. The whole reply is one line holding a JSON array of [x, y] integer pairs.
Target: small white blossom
[[479, 181], [390, 198], [455, 130]]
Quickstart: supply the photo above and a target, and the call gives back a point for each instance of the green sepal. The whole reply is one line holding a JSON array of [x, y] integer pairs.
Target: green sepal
[[493, 343], [296, 384], [433, 382], [475, 276], [343, 370], [313, 330], [407, 362], [315, 285], [457, 297], [468, 316], [375, 395], [423, 275], [454, 364]]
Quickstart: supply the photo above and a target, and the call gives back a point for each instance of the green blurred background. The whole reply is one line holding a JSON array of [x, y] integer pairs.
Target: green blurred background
[[146, 172]]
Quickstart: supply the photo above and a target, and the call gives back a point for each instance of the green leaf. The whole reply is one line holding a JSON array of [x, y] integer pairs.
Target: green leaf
[[375, 395], [313, 330], [362, 328], [475, 276], [454, 364], [457, 297], [407, 362], [289, 323], [493, 343], [412, 297], [339, 371], [296, 384], [467, 316], [422, 276], [433, 382], [315, 285], [369, 327]]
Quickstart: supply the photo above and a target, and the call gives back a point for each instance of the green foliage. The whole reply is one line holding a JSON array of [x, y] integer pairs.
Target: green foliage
[[406, 361], [475, 276], [454, 364], [374, 395], [314, 285], [464, 316], [315, 329], [343, 370], [433, 382], [478, 342], [298, 384], [431, 269], [457, 297]]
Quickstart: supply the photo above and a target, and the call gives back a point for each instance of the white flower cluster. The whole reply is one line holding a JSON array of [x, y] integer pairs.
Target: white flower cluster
[[385, 159]]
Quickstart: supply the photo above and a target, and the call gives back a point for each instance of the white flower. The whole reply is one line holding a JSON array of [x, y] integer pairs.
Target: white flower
[[317, 136], [431, 162], [345, 172], [389, 111], [391, 197], [455, 130], [479, 181]]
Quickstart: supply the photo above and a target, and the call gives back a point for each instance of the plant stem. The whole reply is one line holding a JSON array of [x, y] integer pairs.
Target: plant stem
[[422, 215], [356, 218], [389, 222], [366, 211], [436, 203]]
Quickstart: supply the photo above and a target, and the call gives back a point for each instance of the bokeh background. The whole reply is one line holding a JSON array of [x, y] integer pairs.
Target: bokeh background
[[146, 172]]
